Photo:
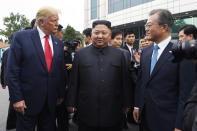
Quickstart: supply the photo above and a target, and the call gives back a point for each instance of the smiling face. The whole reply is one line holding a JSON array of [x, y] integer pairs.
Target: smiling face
[[101, 35], [154, 31]]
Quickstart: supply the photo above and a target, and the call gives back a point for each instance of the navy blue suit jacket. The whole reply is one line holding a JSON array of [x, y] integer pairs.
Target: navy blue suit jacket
[[28, 78], [164, 92]]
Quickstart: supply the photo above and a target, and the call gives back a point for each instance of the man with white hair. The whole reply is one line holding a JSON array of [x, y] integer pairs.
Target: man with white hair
[[35, 73]]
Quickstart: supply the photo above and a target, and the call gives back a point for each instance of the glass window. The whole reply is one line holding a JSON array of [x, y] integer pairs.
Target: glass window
[[195, 21], [93, 9], [127, 4], [116, 5]]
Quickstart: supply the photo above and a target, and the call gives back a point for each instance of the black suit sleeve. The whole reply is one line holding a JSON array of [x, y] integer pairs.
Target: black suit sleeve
[[127, 87], [3, 69], [61, 88], [73, 90], [190, 111], [186, 82], [14, 68]]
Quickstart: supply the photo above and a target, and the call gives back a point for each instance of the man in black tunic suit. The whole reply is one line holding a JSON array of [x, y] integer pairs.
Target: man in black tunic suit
[[99, 90]]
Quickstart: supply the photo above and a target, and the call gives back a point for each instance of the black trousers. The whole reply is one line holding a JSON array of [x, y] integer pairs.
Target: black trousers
[[44, 121], [11, 119], [84, 127], [61, 118]]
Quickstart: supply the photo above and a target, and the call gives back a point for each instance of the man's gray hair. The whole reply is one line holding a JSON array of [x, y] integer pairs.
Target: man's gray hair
[[165, 17]]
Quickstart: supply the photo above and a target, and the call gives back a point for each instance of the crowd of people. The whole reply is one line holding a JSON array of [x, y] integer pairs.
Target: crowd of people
[[106, 84]]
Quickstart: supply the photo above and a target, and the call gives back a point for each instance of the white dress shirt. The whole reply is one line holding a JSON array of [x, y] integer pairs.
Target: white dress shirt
[[162, 45], [130, 47], [42, 38]]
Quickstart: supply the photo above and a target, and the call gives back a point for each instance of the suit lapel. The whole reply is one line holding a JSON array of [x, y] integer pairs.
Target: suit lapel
[[37, 42], [147, 60], [55, 51], [162, 60]]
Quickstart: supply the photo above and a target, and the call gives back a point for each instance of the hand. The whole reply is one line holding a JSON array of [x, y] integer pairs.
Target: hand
[[68, 66], [137, 56], [136, 115], [70, 109], [176, 129], [3, 86], [127, 110], [20, 107], [59, 101]]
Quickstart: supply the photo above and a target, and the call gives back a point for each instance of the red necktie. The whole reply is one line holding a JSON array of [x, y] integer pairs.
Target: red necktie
[[48, 53]]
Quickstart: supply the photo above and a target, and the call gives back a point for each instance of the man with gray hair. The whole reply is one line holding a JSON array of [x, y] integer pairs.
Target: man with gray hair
[[163, 85], [35, 73]]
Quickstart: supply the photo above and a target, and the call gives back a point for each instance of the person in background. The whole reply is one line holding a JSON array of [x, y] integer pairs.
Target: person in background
[[187, 32], [87, 36], [59, 33], [116, 42]]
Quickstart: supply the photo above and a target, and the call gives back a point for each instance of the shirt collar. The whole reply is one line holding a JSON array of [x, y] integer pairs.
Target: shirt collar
[[162, 45], [42, 34], [129, 46], [100, 50]]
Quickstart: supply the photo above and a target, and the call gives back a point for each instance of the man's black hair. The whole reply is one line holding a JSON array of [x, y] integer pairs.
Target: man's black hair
[[128, 32], [101, 22], [189, 29], [115, 32], [87, 32], [33, 23], [59, 27], [165, 17]]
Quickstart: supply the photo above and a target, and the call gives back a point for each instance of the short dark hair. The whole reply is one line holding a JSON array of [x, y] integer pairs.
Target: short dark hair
[[101, 22], [87, 32], [33, 23], [115, 32], [165, 17], [128, 32], [59, 28], [189, 29]]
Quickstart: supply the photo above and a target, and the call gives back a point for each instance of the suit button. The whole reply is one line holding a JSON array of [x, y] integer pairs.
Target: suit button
[[102, 80], [101, 69]]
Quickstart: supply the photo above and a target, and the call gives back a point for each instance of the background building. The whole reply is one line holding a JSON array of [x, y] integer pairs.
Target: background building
[[132, 14]]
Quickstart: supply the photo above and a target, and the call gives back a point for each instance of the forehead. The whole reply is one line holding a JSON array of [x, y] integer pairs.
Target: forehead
[[153, 18], [55, 16], [130, 35], [101, 28], [181, 32]]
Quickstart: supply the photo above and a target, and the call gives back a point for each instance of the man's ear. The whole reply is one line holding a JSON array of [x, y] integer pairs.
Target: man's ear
[[191, 36], [165, 27], [41, 22]]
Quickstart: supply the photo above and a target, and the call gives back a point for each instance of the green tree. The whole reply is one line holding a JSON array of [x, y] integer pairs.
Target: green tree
[[13, 23], [69, 33], [178, 23]]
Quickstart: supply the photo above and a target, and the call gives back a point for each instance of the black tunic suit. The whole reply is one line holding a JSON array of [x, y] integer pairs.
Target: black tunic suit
[[99, 86]]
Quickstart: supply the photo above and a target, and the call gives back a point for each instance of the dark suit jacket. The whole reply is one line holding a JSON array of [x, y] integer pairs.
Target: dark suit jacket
[[164, 93], [190, 112], [28, 78], [3, 67], [99, 88]]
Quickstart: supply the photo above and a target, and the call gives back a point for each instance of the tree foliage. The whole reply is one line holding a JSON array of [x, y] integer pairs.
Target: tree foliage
[[13, 23], [69, 33]]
